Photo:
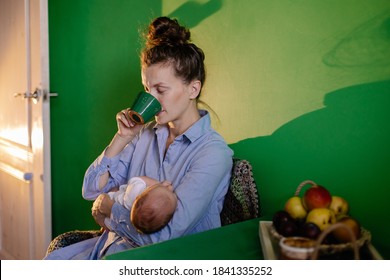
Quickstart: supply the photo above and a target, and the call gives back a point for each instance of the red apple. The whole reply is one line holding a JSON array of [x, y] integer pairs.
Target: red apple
[[316, 197]]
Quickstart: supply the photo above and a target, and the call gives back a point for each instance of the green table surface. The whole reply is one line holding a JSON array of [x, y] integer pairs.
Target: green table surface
[[238, 241]]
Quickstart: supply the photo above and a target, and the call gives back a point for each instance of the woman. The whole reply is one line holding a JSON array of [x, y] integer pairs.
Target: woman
[[179, 146]]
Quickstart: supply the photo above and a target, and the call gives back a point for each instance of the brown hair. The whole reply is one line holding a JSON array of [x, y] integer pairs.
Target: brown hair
[[151, 212], [169, 42]]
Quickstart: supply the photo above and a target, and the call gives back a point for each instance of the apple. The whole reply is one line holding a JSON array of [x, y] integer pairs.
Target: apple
[[316, 197], [322, 217], [295, 208], [342, 235], [339, 205]]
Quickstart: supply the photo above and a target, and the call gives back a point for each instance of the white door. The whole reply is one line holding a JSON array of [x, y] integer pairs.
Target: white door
[[25, 187]]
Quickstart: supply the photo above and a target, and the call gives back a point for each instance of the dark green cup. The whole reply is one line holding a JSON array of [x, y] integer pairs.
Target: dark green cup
[[144, 108]]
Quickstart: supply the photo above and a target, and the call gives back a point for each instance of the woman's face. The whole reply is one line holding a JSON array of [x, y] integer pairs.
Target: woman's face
[[176, 96]]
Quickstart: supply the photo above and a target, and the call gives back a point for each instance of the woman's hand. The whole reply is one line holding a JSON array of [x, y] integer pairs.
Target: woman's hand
[[126, 127]]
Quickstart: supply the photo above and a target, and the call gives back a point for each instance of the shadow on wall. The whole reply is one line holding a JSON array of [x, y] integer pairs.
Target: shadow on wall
[[344, 146], [366, 45], [193, 12]]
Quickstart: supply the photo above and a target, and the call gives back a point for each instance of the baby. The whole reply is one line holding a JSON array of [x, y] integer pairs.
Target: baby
[[151, 203]]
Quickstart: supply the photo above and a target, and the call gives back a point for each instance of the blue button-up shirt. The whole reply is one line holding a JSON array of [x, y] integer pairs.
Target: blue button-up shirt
[[198, 163]]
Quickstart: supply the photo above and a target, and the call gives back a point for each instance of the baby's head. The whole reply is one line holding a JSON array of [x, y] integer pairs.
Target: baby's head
[[154, 208]]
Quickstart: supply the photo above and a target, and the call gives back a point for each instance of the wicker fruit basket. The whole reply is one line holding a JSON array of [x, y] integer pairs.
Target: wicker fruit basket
[[327, 249], [365, 238]]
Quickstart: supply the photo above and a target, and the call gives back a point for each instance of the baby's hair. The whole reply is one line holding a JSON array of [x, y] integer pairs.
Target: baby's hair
[[146, 215]]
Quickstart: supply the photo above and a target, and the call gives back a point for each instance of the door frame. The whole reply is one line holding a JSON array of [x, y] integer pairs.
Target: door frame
[[41, 127]]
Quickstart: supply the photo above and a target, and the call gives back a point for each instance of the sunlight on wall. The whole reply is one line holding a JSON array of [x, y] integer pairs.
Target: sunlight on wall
[[264, 71]]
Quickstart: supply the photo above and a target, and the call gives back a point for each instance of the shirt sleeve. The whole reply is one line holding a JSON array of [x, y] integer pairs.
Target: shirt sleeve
[[120, 223], [116, 166]]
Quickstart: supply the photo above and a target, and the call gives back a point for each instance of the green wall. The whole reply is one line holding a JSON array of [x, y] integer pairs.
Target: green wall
[[94, 67], [301, 89]]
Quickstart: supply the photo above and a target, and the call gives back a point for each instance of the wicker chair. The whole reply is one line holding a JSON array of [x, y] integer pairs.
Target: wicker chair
[[242, 200]]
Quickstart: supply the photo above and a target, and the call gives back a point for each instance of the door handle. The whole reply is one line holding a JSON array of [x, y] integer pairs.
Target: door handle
[[35, 96]]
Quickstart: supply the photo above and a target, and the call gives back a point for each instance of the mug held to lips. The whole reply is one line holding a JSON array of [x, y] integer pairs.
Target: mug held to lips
[[144, 108]]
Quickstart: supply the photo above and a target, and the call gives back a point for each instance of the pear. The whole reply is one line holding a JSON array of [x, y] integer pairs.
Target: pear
[[342, 235]]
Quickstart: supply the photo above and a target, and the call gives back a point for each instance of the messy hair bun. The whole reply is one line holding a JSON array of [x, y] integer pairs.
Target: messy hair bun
[[170, 43], [166, 31]]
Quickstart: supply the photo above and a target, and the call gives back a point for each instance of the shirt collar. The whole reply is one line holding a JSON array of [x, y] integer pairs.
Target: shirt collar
[[199, 128]]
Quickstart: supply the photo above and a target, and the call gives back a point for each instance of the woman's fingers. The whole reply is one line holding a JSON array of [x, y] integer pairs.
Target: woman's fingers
[[166, 183], [122, 118], [125, 124]]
